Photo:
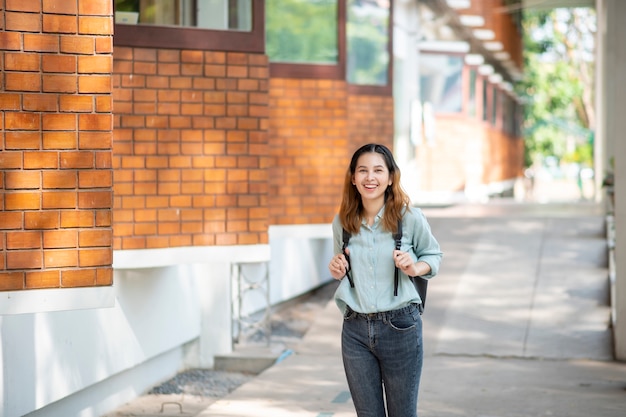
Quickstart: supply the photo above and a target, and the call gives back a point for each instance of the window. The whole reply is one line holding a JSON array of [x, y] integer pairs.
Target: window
[[217, 25], [301, 31], [367, 31], [206, 14], [441, 82]]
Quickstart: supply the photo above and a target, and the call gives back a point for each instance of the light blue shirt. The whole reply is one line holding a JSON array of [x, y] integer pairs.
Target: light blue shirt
[[371, 259]]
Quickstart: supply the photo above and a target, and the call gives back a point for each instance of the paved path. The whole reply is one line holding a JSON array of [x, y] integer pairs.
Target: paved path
[[516, 325]]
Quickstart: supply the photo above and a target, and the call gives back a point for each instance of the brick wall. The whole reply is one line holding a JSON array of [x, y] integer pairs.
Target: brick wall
[[190, 148], [309, 148], [371, 120], [56, 129], [468, 152]]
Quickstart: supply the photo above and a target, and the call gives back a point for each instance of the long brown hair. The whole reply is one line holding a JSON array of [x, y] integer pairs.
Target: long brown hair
[[396, 200]]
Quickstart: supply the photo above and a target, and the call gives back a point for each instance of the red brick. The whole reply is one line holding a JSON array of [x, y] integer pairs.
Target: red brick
[[104, 44], [94, 84], [78, 278], [24, 240], [81, 218], [23, 140], [103, 218], [95, 257], [22, 201], [41, 220], [95, 179], [11, 220], [59, 121], [60, 83], [22, 81], [31, 259], [59, 63], [57, 239], [104, 160], [95, 238], [95, 199], [53, 23], [43, 279], [104, 276], [22, 22], [10, 101], [58, 200], [41, 160], [60, 6], [21, 62], [59, 258], [95, 64], [59, 179], [95, 25], [75, 160], [41, 43], [94, 140], [10, 41], [83, 45], [40, 102], [59, 140], [104, 104], [33, 6], [11, 281], [95, 7], [15, 180], [76, 103]]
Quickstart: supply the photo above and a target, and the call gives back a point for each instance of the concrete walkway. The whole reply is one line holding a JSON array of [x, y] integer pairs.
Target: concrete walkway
[[516, 325]]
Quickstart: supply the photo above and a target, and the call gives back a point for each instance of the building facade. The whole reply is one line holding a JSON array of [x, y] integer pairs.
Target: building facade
[[148, 147]]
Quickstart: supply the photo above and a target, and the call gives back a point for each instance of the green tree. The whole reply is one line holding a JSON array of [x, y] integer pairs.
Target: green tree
[[558, 86]]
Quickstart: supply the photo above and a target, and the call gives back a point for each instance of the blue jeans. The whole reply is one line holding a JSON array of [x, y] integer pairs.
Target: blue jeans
[[382, 357]]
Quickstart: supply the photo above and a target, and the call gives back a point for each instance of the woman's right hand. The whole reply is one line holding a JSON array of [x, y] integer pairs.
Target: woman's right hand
[[338, 266]]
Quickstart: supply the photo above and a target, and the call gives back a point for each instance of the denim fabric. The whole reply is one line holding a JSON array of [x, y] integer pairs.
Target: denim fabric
[[382, 357]]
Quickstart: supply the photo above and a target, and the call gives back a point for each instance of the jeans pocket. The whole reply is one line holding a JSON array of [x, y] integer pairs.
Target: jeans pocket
[[403, 323]]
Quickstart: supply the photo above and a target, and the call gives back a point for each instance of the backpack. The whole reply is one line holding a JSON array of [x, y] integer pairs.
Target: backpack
[[421, 284]]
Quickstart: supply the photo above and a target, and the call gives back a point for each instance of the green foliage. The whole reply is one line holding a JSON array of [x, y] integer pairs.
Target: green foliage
[[300, 31], [557, 84], [126, 5], [367, 34]]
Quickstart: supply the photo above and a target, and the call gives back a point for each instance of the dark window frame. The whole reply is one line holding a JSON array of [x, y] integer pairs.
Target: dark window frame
[[338, 71], [179, 37]]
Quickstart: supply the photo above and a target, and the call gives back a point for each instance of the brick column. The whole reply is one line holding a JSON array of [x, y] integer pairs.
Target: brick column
[[55, 143]]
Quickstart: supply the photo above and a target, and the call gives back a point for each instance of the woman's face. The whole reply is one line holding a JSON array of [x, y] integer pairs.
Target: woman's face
[[371, 177]]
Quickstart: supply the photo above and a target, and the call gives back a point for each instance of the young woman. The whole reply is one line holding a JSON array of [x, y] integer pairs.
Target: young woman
[[382, 330]]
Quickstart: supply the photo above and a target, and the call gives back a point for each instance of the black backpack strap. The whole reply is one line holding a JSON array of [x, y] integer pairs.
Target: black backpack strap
[[421, 284], [346, 239], [398, 238]]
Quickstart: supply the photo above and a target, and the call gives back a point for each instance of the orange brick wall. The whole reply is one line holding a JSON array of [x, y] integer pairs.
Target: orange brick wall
[[371, 120], [56, 130], [190, 148], [468, 152], [315, 126], [309, 145]]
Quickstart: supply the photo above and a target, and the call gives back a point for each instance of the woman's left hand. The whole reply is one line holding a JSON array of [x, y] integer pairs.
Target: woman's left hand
[[404, 262]]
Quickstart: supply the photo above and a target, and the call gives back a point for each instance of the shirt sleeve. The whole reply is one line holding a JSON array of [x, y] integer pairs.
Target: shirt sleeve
[[337, 235], [423, 244]]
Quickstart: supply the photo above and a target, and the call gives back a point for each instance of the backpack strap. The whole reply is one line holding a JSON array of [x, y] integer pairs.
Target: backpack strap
[[398, 238], [421, 285], [346, 239]]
